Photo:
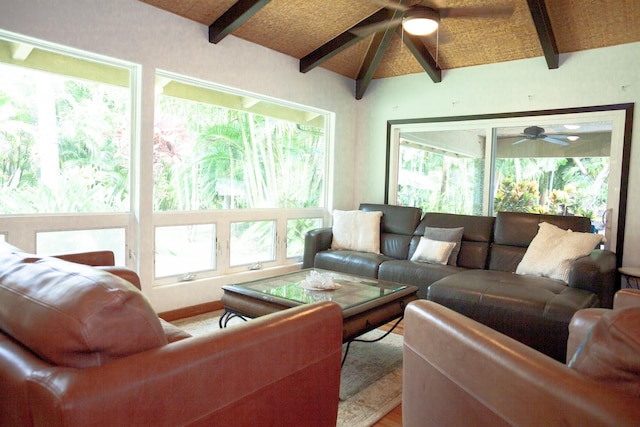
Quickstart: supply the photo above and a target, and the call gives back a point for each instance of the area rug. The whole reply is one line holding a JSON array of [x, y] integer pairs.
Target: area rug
[[371, 379]]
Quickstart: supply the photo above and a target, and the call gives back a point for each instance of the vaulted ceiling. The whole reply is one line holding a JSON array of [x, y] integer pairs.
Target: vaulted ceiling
[[324, 33]]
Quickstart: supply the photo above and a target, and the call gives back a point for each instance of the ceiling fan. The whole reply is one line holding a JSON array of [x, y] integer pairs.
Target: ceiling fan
[[533, 133], [423, 18]]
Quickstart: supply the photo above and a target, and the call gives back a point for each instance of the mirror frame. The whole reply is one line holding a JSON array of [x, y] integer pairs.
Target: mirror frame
[[628, 108]]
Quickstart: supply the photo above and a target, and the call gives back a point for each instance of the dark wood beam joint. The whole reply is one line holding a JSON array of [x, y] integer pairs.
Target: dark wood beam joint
[[418, 49], [541, 20], [339, 43], [233, 18]]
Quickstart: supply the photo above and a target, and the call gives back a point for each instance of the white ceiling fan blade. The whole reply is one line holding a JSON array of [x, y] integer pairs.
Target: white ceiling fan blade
[[556, 141], [365, 30], [521, 141], [389, 4]]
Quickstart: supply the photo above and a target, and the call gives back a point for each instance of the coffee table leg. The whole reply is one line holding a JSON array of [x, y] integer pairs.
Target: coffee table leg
[[227, 316], [375, 340]]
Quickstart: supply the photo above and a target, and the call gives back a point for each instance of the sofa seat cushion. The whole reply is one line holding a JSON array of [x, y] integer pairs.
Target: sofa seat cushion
[[533, 310], [415, 273], [351, 262], [73, 315]]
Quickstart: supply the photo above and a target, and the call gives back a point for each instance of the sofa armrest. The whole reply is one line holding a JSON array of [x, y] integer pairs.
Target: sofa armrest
[[626, 298], [580, 325], [453, 362], [92, 258], [274, 370], [315, 241], [596, 273]]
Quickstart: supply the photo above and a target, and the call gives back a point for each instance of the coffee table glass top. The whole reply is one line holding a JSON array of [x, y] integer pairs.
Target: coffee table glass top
[[353, 290]]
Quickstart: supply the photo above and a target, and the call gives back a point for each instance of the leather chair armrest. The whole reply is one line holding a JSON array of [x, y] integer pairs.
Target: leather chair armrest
[[626, 298], [596, 273], [581, 323], [280, 369], [92, 258], [452, 362], [124, 273], [315, 241]]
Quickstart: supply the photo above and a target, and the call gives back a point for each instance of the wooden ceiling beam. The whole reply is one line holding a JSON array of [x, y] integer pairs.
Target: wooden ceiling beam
[[542, 22], [418, 49], [374, 56], [233, 18], [341, 42]]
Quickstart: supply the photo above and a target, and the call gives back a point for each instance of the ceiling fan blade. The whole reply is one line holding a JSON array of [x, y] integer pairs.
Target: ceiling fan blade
[[521, 141], [504, 11], [556, 141], [389, 4], [365, 30]]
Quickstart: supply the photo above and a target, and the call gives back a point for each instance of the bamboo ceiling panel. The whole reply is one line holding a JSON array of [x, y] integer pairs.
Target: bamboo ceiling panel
[[299, 27]]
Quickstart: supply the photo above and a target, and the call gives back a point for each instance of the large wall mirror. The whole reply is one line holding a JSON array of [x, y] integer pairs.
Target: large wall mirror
[[564, 162]]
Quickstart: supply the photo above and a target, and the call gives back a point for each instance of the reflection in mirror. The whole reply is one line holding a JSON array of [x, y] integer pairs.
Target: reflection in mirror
[[442, 171], [561, 169], [563, 162]]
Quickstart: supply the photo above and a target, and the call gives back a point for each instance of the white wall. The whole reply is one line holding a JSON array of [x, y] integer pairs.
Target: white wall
[[596, 77], [134, 31]]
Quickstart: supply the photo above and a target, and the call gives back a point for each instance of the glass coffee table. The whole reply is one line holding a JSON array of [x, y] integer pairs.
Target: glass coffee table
[[366, 303]]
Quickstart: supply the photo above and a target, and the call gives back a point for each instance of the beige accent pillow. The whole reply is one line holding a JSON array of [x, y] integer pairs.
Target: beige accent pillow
[[611, 350], [433, 251], [356, 231], [552, 251]]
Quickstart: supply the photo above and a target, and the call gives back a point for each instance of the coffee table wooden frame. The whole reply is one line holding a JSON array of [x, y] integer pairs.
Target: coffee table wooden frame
[[243, 301]]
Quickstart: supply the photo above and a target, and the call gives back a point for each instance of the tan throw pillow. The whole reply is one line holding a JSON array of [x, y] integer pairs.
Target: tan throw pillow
[[552, 251], [447, 235], [432, 251], [356, 231], [611, 350]]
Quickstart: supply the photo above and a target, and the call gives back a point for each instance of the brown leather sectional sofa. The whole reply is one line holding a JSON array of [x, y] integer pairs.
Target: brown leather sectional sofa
[[80, 346], [534, 310]]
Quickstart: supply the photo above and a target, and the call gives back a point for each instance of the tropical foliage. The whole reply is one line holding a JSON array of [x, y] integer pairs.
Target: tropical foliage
[[564, 186], [209, 157], [64, 144]]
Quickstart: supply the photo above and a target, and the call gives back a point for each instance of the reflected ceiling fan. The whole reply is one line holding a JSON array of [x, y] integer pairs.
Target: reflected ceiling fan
[[423, 18], [533, 133]]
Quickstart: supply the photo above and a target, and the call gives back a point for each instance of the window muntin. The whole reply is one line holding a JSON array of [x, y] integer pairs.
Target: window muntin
[[215, 150], [65, 132]]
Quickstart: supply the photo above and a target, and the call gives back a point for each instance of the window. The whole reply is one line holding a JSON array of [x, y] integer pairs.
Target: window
[[64, 132], [215, 150], [255, 167]]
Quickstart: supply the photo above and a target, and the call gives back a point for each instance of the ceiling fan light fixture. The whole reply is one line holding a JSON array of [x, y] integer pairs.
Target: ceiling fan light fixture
[[420, 21]]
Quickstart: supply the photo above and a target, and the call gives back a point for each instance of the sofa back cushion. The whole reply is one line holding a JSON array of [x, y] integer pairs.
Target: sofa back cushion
[[396, 227], [514, 231], [476, 239], [73, 315]]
